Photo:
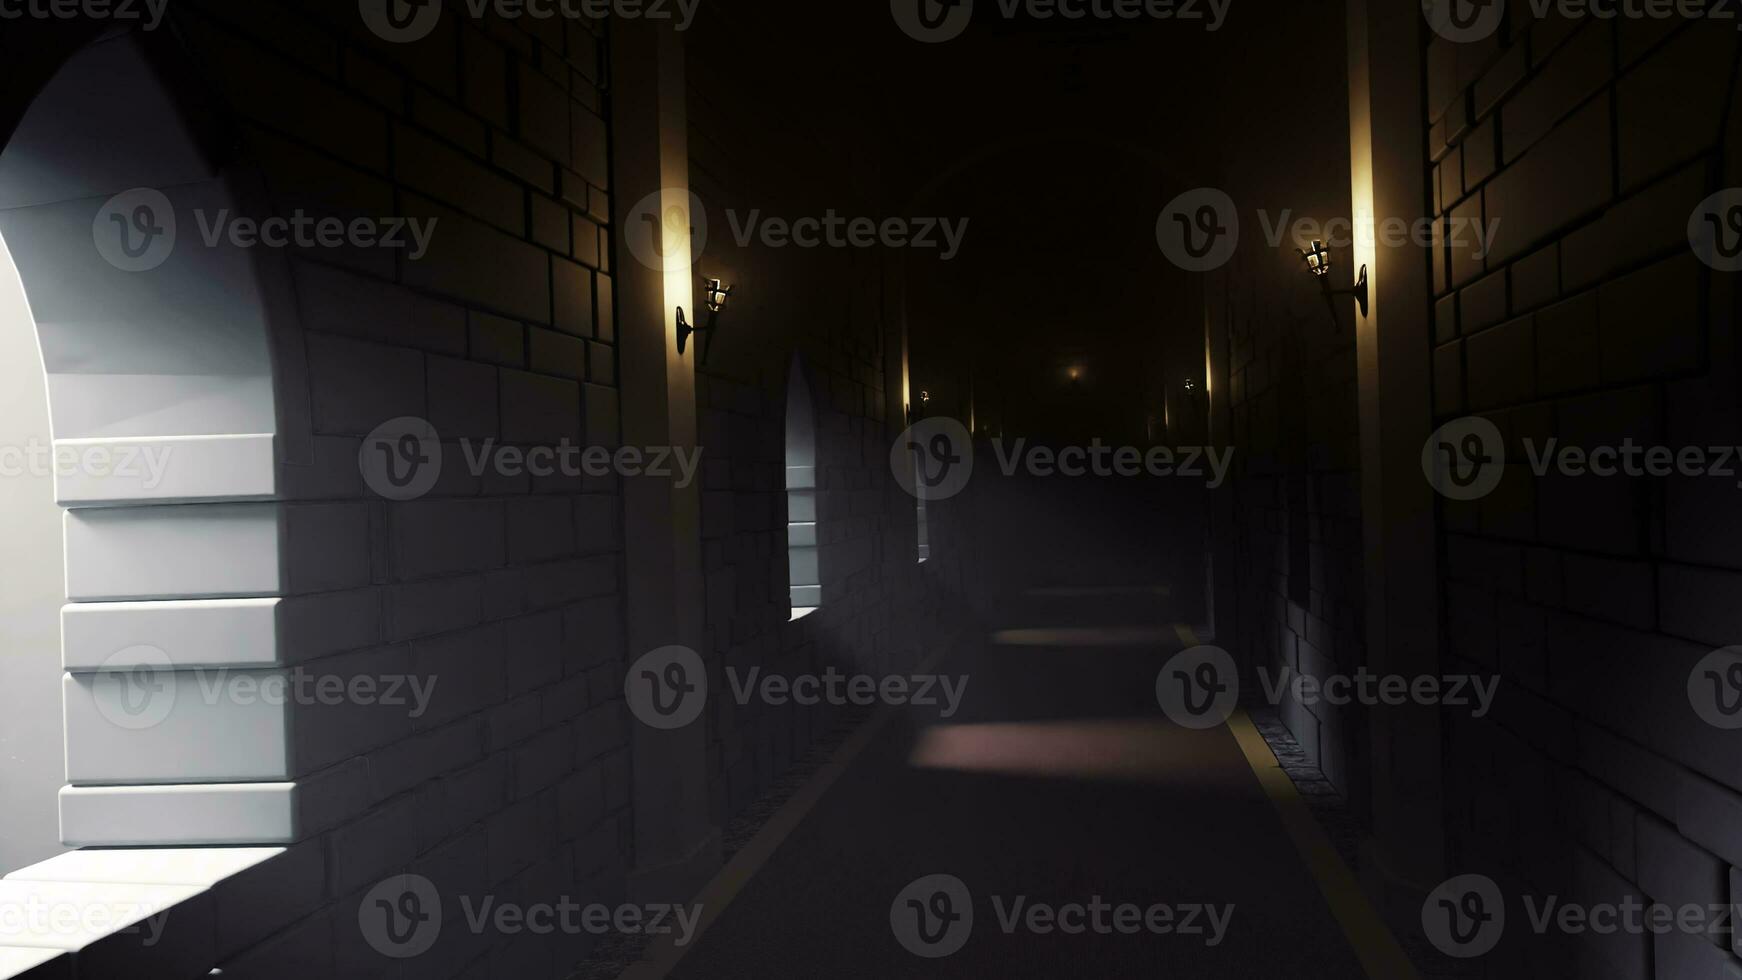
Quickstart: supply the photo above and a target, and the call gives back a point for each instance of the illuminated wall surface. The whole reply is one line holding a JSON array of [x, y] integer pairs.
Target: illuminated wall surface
[[30, 600]]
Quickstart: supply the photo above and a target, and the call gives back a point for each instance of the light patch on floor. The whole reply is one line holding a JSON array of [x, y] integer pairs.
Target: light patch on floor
[[1091, 591], [1139, 750], [1084, 637]]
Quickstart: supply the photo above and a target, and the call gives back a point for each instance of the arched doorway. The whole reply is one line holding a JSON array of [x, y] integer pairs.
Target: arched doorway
[[158, 392]]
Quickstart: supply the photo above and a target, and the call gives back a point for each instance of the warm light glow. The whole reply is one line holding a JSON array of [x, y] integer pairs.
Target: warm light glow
[[1118, 751], [680, 281], [718, 295]]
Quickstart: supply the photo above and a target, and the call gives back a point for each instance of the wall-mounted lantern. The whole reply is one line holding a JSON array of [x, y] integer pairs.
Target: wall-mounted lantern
[[917, 411], [1318, 260], [715, 296]]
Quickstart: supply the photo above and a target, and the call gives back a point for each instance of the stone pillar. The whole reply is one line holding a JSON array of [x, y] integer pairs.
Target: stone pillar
[[1405, 858], [677, 847]]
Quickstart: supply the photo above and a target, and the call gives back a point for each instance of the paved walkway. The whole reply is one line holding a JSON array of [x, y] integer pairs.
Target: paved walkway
[[1058, 785]]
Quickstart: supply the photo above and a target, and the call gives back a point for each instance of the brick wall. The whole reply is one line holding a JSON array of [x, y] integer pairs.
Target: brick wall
[[1296, 532], [841, 310], [1289, 400], [507, 589], [1591, 321]]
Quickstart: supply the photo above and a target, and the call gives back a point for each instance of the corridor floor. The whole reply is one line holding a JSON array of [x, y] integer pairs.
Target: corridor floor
[[1057, 792]]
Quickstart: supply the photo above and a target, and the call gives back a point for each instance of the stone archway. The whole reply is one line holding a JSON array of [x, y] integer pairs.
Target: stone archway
[[162, 386]]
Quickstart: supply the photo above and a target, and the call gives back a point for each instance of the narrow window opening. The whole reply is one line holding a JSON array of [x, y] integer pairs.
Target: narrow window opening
[[803, 541]]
